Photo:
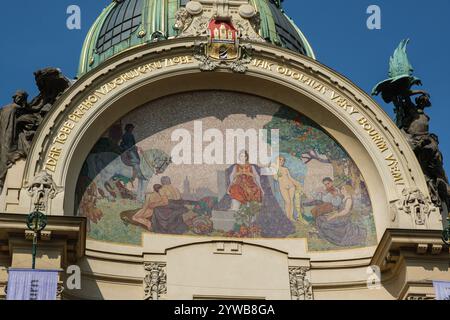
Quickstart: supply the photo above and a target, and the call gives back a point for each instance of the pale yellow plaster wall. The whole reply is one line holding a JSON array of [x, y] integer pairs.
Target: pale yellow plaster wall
[[199, 270]]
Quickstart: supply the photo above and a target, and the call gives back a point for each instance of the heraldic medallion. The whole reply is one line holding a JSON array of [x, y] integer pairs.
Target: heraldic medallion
[[223, 42]]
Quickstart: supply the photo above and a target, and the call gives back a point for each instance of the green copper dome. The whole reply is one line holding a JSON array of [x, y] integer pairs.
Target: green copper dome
[[128, 23]]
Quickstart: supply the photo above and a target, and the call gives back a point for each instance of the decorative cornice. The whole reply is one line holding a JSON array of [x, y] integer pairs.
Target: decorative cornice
[[420, 244], [418, 290], [72, 229]]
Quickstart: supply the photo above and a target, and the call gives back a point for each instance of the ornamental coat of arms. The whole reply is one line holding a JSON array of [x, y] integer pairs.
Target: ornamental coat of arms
[[223, 43]]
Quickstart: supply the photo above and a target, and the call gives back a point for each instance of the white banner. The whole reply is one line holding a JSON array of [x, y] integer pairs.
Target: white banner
[[442, 289], [28, 284]]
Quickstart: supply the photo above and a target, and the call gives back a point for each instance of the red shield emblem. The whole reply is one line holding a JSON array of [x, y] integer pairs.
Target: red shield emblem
[[223, 41]]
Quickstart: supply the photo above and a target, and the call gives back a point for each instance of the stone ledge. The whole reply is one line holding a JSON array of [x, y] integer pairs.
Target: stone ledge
[[412, 243], [69, 230], [408, 259]]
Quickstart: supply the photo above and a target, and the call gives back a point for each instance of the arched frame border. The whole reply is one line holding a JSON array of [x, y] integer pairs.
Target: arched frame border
[[327, 98]]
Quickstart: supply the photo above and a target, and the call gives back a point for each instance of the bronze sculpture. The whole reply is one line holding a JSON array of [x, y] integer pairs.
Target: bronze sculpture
[[9, 151], [20, 119], [414, 123]]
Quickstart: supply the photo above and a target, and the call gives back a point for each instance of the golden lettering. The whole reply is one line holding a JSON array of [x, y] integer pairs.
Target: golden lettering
[[53, 157], [341, 102], [93, 99], [80, 111], [84, 107], [376, 137], [69, 124], [103, 90], [74, 118]]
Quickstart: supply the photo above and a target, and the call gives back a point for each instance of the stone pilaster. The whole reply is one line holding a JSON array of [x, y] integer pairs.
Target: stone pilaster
[[301, 288], [155, 280]]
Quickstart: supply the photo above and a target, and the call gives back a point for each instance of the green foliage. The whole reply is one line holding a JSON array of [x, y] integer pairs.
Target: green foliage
[[247, 213], [111, 228], [300, 135]]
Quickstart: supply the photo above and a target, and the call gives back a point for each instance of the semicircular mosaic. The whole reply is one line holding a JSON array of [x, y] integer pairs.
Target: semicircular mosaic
[[223, 164]]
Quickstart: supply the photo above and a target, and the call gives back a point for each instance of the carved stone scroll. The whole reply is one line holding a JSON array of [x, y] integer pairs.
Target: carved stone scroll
[[301, 288], [155, 280]]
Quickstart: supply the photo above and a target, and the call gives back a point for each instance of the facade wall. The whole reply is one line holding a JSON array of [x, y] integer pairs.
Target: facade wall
[[189, 267]]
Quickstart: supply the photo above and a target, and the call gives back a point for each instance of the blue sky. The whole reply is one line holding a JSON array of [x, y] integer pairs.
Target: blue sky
[[34, 35]]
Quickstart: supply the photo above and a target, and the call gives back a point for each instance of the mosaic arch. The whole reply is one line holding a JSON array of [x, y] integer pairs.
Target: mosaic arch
[[169, 168]]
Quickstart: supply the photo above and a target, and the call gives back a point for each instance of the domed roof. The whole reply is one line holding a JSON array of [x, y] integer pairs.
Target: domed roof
[[128, 23]]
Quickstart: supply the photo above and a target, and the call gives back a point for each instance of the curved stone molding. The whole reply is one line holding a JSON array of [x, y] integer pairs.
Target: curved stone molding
[[97, 100]]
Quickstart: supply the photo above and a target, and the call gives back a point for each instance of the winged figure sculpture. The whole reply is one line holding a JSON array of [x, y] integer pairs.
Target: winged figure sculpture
[[401, 77]]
